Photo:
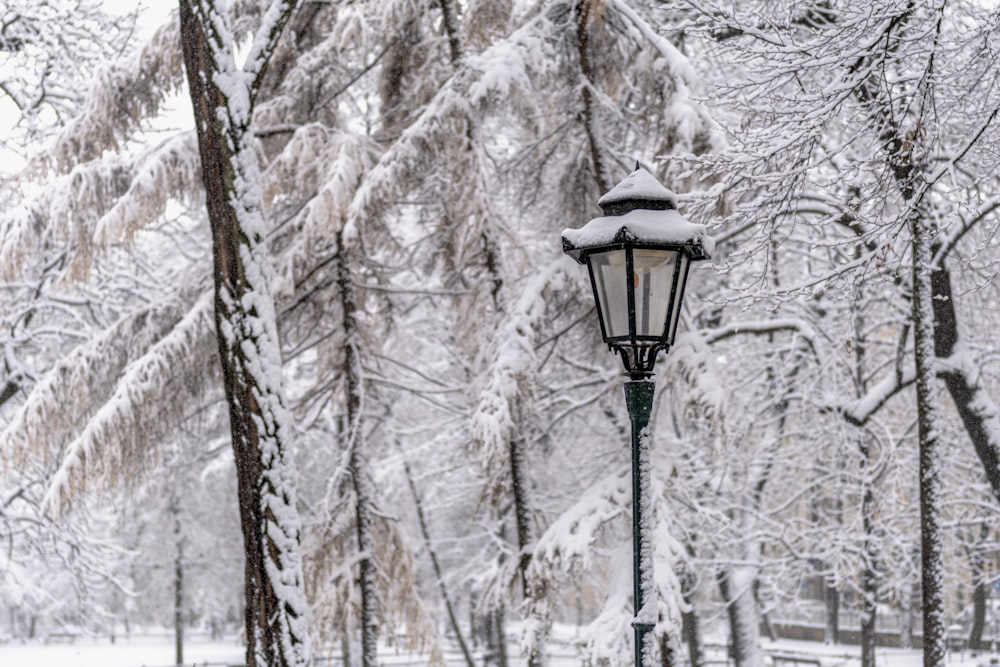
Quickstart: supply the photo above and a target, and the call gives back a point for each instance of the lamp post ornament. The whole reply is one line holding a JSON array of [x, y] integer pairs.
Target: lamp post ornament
[[638, 255]]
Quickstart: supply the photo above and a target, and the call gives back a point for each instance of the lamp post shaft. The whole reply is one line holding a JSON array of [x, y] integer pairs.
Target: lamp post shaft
[[639, 399]]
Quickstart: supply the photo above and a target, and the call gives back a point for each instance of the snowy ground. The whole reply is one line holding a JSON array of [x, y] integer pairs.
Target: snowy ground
[[131, 652], [202, 652]]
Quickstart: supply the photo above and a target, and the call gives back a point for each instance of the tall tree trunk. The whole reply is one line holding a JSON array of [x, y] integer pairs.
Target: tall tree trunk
[[668, 651], [869, 549], [869, 572], [831, 633], [178, 584], [587, 12], [981, 588], [736, 588], [929, 444], [692, 637], [496, 637], [222, 97], [364, 492], [418, 506], [690, 631]]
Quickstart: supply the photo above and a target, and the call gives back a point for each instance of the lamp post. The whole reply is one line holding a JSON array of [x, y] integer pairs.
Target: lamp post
[[638, 255]]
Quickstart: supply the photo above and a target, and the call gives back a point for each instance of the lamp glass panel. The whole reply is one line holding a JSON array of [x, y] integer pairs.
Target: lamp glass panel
[[653, 278], [679, 295], [610, 283]]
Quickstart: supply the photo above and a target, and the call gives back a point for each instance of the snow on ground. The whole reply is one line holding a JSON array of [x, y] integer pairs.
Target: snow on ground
[[158, 651], [144, 651]]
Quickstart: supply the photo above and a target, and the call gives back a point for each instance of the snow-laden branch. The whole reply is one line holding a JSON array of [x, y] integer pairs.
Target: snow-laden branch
[[66, 397], [118, 437], [764, 327], [567, 544], [500, 70], [859, 412], [60, 214], [509, 378], [265, 40], [171, 170], [327, 166], [125, 94]]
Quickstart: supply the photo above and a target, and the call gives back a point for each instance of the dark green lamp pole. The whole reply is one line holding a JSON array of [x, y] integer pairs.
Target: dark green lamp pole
[[638, 254]]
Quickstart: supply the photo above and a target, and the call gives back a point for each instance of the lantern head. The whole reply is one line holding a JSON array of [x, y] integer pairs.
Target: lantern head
[[638, 254]]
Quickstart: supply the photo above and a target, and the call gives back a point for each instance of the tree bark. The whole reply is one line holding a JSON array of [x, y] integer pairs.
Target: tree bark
[[690, 632], [364, 493], [584, 19], [981, 588], [831, 634], [869, 573], [276, 627], [964, 391], [178, 588], [692, 637], [931, 552], [736, 590]]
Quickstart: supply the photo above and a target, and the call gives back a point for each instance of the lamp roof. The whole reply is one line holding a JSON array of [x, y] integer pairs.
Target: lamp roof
[[639, 210], [639, 186]]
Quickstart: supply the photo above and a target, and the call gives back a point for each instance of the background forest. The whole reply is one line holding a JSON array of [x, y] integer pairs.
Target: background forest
[[442, 440]]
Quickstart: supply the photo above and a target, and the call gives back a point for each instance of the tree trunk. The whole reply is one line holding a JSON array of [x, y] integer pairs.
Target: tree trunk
[[364, 493], [869, 572], [418, 506], [981, 588], [831, 596], [929, 445], [906, 621], [689, 621], [735, 586], [178, 588], [496, 638], [584, 20], [869, 547], [668, 652], [276, 626]]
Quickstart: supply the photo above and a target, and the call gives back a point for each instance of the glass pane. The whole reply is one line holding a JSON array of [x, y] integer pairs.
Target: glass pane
[[608, 269], [679, 294], [653, 278]]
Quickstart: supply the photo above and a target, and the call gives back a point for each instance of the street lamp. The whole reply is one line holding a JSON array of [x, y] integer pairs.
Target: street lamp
[[638, 254]]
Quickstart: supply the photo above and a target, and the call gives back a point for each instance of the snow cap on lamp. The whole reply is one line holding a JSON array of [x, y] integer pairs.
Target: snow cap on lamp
[[639, 210]]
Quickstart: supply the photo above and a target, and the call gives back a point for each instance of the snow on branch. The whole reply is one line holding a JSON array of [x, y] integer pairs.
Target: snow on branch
[[149, 394], [443, 121], [61, 214], [567, 544], [693, 361], [448, 116], [265, 39], [763, 327], [327, 166], [984, 407], [862, 410], [690, 117], [508, 380], [126, 93], [172, 169], [507, 65], [65, 398]]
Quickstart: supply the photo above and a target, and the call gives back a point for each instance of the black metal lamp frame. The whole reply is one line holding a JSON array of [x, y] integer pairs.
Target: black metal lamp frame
[[638, 353]]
